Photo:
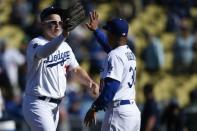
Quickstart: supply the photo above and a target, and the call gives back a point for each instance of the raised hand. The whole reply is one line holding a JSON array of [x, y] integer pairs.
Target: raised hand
[[93, 22]]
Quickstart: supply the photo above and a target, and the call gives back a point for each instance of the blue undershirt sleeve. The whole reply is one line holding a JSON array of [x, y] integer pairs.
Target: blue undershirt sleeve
[[102, 39], [107, 94]]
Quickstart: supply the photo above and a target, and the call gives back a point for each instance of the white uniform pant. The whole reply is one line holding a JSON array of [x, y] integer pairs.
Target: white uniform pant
[[40, 115], [122, 118]]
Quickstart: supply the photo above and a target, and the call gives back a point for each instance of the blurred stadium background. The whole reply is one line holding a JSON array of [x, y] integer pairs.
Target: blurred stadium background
[[163, 35]]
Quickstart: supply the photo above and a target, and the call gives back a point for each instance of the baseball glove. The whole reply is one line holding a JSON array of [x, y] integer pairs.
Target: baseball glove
[[73, 16]]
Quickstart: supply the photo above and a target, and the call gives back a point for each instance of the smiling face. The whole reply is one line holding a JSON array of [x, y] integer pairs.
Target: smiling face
[[52, 26]]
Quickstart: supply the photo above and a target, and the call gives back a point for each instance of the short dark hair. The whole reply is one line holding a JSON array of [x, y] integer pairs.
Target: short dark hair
[[50, 10]]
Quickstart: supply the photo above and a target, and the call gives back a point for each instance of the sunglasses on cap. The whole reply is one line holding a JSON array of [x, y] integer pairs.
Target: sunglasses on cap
[[51, 23]]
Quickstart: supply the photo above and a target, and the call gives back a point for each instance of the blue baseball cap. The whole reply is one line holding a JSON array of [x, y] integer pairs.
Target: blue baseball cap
[[117, 26]]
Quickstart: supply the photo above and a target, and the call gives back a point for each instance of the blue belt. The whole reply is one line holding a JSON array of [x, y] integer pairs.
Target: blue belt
[[122, 102]]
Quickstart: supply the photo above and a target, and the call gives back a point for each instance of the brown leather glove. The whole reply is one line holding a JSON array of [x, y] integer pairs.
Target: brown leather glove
[[73, 16]]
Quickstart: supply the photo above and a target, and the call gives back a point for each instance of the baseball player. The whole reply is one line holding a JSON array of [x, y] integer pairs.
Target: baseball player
[[49, 59], [118, 78]]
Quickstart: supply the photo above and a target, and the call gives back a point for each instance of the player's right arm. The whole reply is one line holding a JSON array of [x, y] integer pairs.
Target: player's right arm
[[43, 51], [100, 36]]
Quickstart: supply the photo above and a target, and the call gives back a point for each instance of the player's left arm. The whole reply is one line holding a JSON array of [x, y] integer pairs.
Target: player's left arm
[[111, 85], [100, 36], [83, 78], [43, 51], [107, 94], [102, 40], [114, 71]]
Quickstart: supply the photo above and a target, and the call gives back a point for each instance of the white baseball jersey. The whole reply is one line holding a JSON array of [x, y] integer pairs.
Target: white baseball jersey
[[46, 76], [121, 65]]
